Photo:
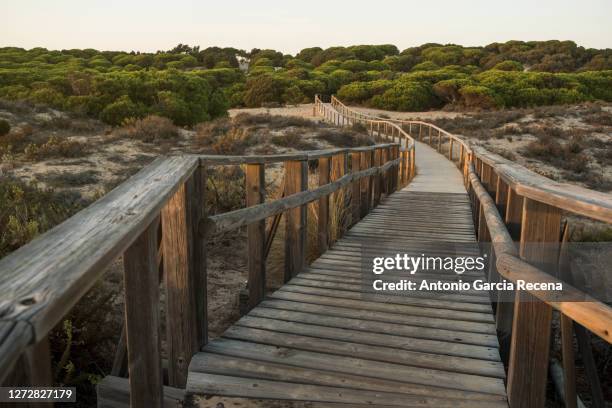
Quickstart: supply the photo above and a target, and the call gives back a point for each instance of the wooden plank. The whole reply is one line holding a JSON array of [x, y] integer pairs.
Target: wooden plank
[[413, 310], [181, 309], [197, 207], [530, 343], [569, 366], [377, 369], [256, 234], [142, 320], [323, 216], [256, 388], [366, 184], [415, 332], [356, 189], [338, 200], [296, 180], [242, 367], [296, 336], [364, 314]]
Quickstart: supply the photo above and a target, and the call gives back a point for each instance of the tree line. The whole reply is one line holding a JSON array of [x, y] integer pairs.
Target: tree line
[[190, 85]]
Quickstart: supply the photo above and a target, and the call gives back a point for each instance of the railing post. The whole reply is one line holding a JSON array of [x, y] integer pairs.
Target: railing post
[[386, 175], [514, 213], [439, 141], [323, 216], [413, 162], [529, 349], [356, 188], [429, 138], [450, 150], [338, 169], [256, 234], [378, 179], [366, 183], [296, 180], [142, 320], [420, 132], [185, 275]]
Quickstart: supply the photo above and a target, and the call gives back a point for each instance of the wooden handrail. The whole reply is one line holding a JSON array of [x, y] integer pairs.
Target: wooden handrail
[[244, 216], [587, 311]]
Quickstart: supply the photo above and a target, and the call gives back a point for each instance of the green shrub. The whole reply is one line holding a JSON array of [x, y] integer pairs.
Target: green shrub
[[5, 127], [117, 112], [509, 66], [475, 96], [263, 88]]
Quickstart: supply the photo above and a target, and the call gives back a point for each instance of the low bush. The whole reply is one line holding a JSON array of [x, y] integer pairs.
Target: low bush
[[149, 129], [55, 147], [345, 138], [295, 140], [5, 127]]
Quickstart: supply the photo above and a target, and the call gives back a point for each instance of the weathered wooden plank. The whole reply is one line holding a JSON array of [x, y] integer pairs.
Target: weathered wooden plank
[[416, 332], [377, 369], [180, 279], [356, 189], [365, 314], [255, 388], [296, 180], [296, 336], [242, 367], [142, 320], [256, 234], [530, 343], [413, 310], [323, 216]]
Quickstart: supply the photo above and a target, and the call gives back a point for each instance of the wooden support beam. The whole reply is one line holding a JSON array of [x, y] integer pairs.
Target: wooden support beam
[[256, 234], [185, 274], [323, 216], [338, 211], [501, 195], [366, 183], [450, 149], [142, 320], [529, 348], [378, 179], [355, 189], [296, 180], [514, 213]]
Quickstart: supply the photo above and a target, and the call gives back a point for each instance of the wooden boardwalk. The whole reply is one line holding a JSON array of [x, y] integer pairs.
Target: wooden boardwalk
[[321, 338]]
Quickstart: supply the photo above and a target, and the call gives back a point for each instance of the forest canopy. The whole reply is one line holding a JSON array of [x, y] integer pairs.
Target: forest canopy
[[190, 85]]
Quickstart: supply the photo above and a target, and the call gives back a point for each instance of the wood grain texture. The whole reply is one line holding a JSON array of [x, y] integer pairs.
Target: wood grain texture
[[181, 309], [256, 234], [142, 320], [296, 180], [323, 208], [530, 343]]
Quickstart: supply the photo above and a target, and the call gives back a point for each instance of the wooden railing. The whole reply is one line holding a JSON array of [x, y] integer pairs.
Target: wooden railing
[[511, 206], [157, 222]]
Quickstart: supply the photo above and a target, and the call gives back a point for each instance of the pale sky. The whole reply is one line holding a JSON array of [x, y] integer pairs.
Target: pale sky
[[288, 26]]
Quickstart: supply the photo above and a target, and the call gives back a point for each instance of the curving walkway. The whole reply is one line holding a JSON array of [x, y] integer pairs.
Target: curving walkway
[[324, 338]]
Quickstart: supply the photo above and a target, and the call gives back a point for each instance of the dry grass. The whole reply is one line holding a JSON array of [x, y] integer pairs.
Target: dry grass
[[294, 139], [345, 138], [150, 129]]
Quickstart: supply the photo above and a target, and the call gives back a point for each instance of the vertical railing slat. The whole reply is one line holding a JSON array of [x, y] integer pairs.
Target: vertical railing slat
[[142, 320], [256, 234]]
